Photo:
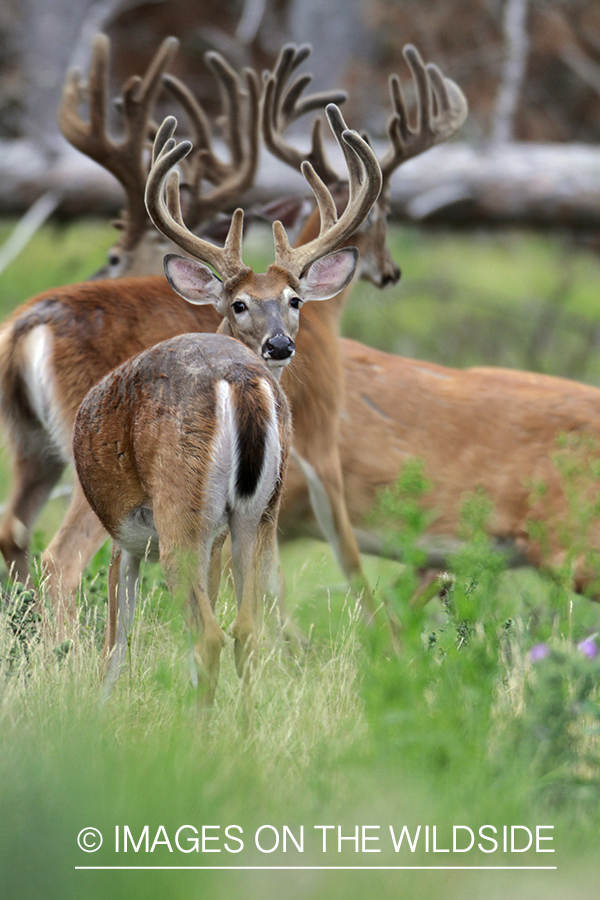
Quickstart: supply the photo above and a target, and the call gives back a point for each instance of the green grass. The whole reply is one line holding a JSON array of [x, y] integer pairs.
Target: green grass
[[464, 727], [511, 299], [57, 255]]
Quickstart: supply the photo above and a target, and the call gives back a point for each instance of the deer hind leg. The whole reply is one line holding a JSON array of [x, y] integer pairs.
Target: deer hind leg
[[186, 564], [123, 581], [215, 567], [254, 553], [326, 491], [34, 479], [67, 555]]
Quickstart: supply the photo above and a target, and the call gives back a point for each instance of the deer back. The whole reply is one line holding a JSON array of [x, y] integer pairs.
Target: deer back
[[195, 424]]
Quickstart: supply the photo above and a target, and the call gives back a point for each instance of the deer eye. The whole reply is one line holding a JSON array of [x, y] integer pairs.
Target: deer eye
[[239, 307], [114, 259], [295, 302]]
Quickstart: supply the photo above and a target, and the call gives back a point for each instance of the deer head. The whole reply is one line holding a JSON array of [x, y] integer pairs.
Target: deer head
[[262, 309]]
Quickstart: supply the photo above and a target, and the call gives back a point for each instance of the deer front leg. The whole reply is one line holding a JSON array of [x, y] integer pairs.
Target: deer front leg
[[66, 557], [325, 488]]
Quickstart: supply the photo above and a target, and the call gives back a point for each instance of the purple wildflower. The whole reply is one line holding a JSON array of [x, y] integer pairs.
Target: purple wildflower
[[539, 652], [589, 647]]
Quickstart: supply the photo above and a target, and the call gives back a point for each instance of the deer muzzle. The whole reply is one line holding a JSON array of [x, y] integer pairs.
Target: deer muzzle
[[278, 348]]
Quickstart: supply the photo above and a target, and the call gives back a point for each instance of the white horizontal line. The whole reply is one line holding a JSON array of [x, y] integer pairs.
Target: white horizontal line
[[326, 868]]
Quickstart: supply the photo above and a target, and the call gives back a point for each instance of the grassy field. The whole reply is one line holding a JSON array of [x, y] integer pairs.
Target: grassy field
[[484, 730]]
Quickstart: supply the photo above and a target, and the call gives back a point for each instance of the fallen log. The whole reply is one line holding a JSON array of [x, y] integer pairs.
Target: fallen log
[[525, 184]]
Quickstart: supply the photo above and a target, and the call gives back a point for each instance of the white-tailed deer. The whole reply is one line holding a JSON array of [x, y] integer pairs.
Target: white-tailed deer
[[191, 437], [54, 348], [479, 428]]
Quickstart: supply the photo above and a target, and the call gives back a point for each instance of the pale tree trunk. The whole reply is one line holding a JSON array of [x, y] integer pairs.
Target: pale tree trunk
[[340, 41], [57, 34], [513, 72]]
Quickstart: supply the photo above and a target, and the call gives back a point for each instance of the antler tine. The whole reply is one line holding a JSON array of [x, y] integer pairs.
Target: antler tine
[[230, 88], [164, 134], [125, 158], [365, 185], [282, 105], [241, 113], [166, 215], [90, 138], [240, 177], [441, 110], [353, 164], [139, 94], [451, 102], [290, 57], [198, 120]]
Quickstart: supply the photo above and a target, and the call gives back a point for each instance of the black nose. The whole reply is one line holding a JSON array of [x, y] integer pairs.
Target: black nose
[[279, 346], [390, 277]]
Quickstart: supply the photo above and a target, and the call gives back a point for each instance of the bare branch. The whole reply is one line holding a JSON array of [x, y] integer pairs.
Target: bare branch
[[25, 229], [513, 74], [580, 63]]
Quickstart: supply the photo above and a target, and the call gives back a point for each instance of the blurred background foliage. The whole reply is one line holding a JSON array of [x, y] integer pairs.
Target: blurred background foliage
[[356, 43]]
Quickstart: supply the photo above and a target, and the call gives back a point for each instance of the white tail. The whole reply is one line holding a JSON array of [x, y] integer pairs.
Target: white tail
[[191, 437]]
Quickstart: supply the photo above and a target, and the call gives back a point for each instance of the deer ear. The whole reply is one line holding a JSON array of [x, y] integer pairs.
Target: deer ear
[[192, 280], [329, 275]]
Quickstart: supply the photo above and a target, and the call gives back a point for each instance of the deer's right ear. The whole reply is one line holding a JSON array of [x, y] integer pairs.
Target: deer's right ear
[[192, 280]]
